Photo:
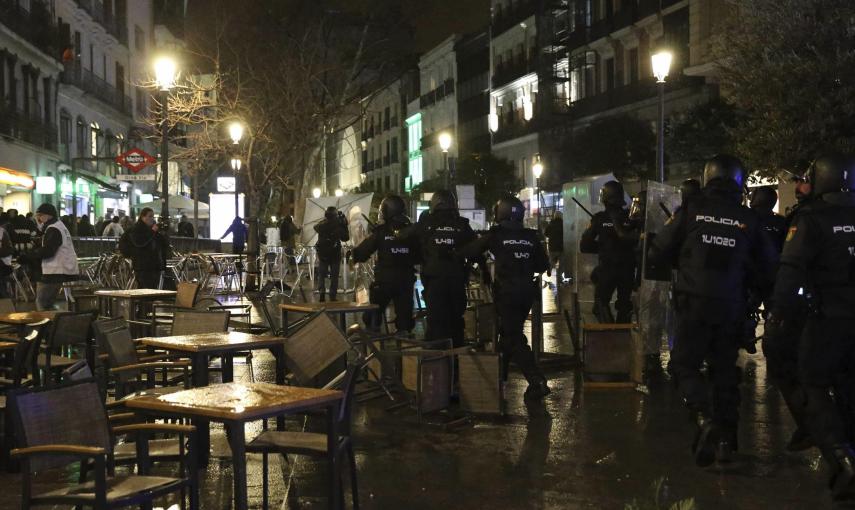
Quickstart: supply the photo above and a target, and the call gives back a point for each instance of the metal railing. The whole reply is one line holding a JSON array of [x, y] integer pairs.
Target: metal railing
[[87, 81], [28, 127], [34, 25]]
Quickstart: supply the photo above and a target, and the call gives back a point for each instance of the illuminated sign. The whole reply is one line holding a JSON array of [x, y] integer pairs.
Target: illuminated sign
[[46, 185], [15, 178]]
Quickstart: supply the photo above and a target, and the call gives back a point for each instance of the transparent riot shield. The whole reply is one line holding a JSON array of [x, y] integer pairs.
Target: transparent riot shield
[[654, 293], [580, 265]]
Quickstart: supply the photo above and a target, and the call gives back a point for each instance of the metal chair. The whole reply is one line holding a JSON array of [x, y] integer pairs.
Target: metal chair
[[67, 424], [128, 368], [187, 298], [67, 330], [193, 322], [313, 444]]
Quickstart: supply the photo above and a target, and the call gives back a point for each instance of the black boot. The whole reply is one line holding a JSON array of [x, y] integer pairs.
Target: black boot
[[537, 389], [704, 446], [842, 481]]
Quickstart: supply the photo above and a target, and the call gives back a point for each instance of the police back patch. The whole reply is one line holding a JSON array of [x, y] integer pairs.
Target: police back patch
[[791, 233]]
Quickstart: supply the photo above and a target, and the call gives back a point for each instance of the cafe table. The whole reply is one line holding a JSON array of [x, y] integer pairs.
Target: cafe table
[[200, 348], [21, 320], [341, 308], [235, 404], [131, 297]]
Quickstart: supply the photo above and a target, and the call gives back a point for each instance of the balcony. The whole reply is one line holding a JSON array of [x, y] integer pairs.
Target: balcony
[[629, 94], [85, 80], [511, 126], [35, 25], [509, 72], [505, 19], [30, 128], [117, 27], [368, 167]]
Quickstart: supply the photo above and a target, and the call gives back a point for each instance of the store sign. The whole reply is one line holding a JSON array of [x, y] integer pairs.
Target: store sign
[[226, 184], [46, 185], [136, 177], [15, 178], [135, 159]]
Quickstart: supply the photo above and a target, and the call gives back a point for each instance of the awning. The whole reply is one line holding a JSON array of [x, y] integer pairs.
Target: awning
[[104, 181]]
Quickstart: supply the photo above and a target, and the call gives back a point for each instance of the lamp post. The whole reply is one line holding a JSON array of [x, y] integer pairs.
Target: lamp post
[[339, 193], [537, 308], [661, 63], [445, 144], [165, 70], [316, 192], [236, 164]]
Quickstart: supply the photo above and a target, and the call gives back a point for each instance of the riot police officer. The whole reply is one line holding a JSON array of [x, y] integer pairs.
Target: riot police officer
[[818, 261], [763, 202], [441, 234], [613, 237], [519, 256], [715, 243], [394, 271]]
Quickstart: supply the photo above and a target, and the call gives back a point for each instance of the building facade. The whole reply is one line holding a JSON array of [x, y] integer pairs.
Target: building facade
[[383, 138], [473, 93], [438, 108]]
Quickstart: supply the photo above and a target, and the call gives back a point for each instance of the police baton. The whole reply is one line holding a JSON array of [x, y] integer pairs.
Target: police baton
[[583, 207], [665, 210]]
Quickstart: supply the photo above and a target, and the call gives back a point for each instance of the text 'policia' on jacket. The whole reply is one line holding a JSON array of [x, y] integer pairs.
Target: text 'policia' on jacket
[[819, 259], [396, 257], [518, 253], [442, 234], [717, 245]]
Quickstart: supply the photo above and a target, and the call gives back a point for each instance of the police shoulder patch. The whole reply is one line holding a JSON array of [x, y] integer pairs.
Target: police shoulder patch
[[791, 233]]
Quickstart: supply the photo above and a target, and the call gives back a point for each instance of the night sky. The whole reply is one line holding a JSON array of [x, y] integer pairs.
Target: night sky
[[434, 20]]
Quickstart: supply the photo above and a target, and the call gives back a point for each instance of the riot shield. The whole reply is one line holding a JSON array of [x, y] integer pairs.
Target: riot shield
[[654, 302], [576, 220]]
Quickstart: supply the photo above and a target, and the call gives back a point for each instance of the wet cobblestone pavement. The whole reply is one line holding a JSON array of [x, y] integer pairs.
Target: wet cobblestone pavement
[[580, 448]]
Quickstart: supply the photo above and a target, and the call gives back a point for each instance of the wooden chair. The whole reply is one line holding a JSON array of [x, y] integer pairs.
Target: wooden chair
[[67, 330], [313, 444], [128, 368], [66, 424], [314, 350]]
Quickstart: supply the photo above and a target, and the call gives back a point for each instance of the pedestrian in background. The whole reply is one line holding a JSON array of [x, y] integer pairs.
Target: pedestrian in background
[[55, 252], [147, 248], [332, 230], [113, 229]]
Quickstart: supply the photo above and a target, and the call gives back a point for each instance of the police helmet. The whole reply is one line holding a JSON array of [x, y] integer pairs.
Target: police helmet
[[764, 199], [689, 188], [392, 206], [443, 200], [611, 194], [509, 208], [724, 167], [830, 173]]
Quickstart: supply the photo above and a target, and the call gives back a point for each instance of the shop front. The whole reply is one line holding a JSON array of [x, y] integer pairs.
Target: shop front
[[16, 190]]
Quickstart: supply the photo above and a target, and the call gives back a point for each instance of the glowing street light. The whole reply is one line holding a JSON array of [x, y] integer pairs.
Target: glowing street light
[[165, 71], [661, 63], [445, 144], [444, 141], [339, 193], [235, 132], [316, 192]]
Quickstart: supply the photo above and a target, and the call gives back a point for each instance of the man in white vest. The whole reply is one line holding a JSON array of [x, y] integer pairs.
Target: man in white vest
[[57, 255]]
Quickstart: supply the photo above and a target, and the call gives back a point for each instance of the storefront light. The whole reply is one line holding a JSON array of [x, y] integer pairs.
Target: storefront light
[[82, 186], [46, 185], [66, 187], [15, 178]]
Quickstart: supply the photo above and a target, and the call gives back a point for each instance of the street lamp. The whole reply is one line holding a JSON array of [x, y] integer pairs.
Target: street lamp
[[235, 132], [537, 309], [661, 62], [339, 193], [236, 164], [316, 192], [445, 144], [165, 71]]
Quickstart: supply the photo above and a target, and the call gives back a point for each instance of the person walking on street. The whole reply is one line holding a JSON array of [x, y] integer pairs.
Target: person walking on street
[[332, 230], [288, 232], [238, 231], [113, 229], [394, 271], [441, 234], [613, 237], [519, 257], [56, 253], [84, 227], [147, 248], [817, 262], [719, 251]]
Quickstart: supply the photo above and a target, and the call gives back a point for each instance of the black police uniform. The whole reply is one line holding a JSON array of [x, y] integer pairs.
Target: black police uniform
[[614, 237], [519, 255], [819, 261], [394, 272], [441, 234], [716, 244], [332, 230]]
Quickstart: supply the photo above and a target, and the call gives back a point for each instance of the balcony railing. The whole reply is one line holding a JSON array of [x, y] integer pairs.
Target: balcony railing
[[117, 27], [28, 127], [507, 18], [514, 127], [630, 12], [85, 80], [509, 72], [35, 25], [629, 94]]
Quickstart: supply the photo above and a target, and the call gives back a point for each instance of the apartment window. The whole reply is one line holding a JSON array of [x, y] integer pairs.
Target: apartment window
[[139, 39], [120, 144], [388, 183], [394, 150], [388, 148], [81, 137], [65, 135], [47, 86], [95, 131], [633, 65], [91, 57], [610, 73], [364, 160], [386, 118], [13, 84]]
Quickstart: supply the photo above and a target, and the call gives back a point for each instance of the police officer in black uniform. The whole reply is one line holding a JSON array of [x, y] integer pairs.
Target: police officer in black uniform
[[332, 230], [763, 202], [519, 256], [716, 243], [819, 261], [441, 234], [394, 271], [614, 237]]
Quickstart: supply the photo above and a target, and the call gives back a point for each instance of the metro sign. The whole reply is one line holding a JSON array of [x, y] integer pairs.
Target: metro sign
[[135, 160]]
